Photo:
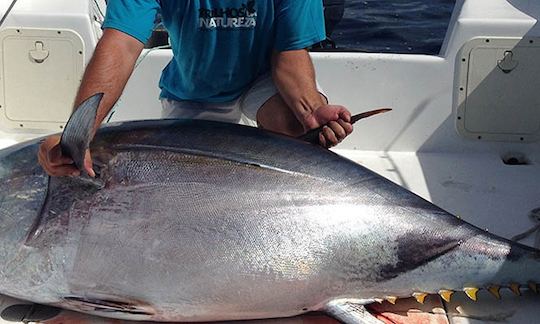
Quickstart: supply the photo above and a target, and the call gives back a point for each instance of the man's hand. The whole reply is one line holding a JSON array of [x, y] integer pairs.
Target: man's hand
[[55, 164], [336, 121], [294, 76]]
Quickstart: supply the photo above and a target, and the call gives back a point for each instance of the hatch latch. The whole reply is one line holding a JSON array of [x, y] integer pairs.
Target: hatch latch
[[508, 64], [39, 54]]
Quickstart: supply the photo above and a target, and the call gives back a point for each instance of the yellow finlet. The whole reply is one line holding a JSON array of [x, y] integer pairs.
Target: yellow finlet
[[533, 287], [391, 299], [494, 290], [515, 288], [446, 294], [420, 297], [471, 292]]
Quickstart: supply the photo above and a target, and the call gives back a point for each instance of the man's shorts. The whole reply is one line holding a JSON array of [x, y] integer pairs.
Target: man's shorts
[[247, 104]]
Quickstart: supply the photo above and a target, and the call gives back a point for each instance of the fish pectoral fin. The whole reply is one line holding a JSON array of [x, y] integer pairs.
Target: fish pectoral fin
[[109, 306], [351, 311], [79, 130]]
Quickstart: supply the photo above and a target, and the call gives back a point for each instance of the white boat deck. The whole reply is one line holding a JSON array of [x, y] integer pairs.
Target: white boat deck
[[479, 188]]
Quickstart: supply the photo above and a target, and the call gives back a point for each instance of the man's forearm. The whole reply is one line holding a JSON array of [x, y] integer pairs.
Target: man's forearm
[[294, 76], [108, 70]]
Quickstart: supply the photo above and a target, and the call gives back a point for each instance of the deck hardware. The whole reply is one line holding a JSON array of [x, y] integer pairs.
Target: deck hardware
[[507, 64], [512, 161], [39, 54], [515, 158]]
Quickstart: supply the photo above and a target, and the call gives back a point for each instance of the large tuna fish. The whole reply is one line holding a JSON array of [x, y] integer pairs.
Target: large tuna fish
[[203, 221]]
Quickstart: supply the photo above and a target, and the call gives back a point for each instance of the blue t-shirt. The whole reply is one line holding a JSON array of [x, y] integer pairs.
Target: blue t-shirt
[[220, 46]]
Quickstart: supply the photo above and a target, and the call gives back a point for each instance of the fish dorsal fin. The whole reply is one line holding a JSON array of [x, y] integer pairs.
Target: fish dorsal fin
[[351, 311], [78, 131]]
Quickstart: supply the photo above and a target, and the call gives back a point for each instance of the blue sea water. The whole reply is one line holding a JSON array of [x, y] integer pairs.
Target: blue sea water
[[396, 26]]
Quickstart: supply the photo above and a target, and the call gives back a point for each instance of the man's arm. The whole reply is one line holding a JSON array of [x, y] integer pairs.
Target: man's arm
[[108, 72], [294, 76]]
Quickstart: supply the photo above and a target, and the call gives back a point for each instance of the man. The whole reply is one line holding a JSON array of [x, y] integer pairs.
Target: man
[[229, 57]]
